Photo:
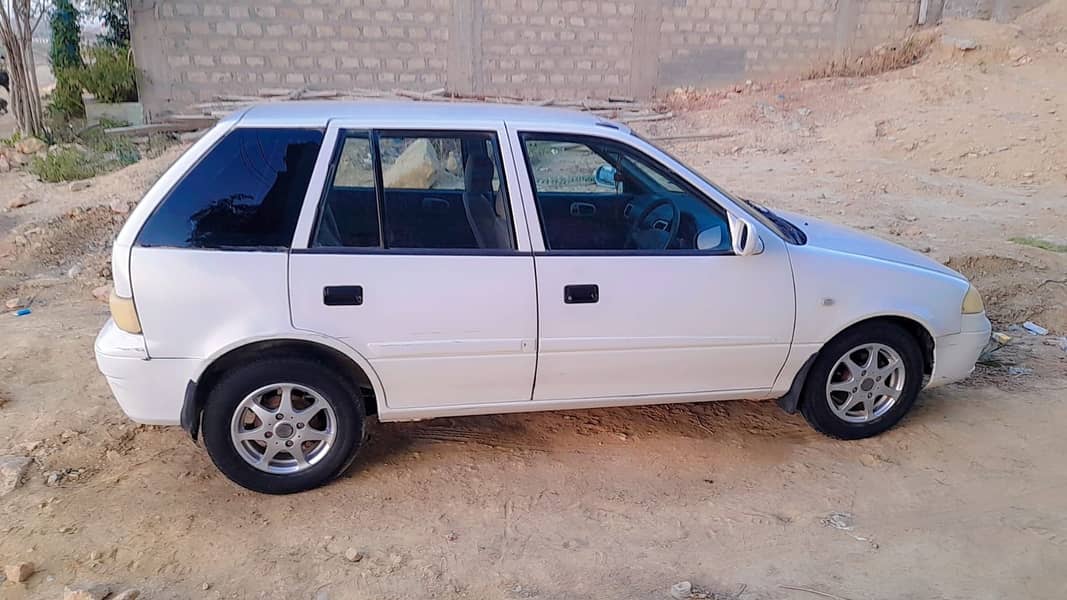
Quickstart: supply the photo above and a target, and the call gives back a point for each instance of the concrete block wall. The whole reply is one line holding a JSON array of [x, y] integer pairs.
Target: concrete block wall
[[190, 51]]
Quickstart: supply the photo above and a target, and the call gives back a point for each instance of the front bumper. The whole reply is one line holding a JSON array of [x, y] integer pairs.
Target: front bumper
[[149, 391], [955, 355]]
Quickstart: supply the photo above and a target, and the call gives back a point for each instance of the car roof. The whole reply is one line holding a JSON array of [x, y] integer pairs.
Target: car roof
[[320, 113]]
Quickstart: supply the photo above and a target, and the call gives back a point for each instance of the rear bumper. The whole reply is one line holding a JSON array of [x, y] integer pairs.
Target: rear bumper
[[149, 391], [955, 355]]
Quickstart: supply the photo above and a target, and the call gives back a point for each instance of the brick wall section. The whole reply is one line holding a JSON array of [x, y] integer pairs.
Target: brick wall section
[[556, 47], [191, 51]]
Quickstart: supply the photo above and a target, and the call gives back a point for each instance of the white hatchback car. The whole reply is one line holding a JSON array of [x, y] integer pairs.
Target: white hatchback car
[[306, 265]]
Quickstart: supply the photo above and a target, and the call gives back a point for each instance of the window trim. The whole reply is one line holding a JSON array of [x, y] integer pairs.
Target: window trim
[[374, 134], [587, 139], [200, 159]]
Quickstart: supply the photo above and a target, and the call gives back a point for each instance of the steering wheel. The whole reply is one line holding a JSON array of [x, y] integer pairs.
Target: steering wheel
[[652, 232]]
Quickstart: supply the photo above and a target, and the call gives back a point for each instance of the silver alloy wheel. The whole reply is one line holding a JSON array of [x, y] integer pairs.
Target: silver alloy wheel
[[283, 428], [865, 383]]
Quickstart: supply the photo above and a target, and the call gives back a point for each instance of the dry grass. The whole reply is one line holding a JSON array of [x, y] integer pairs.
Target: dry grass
[[886, 57]]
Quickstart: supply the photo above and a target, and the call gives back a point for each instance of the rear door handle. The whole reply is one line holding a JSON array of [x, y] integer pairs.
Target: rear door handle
[[342, 295], [581, 294]]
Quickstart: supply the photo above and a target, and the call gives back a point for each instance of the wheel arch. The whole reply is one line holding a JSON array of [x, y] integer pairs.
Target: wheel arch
[[340, 357], [914, 326]]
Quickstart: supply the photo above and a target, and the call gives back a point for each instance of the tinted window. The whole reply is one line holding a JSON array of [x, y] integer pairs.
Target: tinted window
[[440, 191], [599, 195], [245, 193], [349, 213]]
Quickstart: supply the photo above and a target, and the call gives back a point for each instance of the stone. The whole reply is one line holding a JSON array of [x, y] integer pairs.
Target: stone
[[96, 592], [17, 160], [1017, 53], [74, 271], [1061, 47], [353, 555], [19, 572], [23, 199], [119, 206], [869, 460], [102, 293], [5, 164], [964, 44], [417, 167], [12, 471], [12, 303], [30, 145], [82, 184], [803, 111], [131, 594], [681, 590]]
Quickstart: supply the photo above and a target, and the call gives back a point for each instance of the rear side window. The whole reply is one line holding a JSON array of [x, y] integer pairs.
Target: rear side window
[[245, 193]]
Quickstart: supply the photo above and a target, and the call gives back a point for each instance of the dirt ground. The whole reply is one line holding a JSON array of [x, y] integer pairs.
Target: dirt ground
[[967, 499]]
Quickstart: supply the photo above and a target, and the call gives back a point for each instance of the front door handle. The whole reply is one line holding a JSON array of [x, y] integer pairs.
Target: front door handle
[[581, 294], [342, 295]]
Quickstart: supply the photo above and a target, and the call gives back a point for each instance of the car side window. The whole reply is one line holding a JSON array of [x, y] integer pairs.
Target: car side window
[[599, 195], [246, 192], [348, 215], [439, 190]]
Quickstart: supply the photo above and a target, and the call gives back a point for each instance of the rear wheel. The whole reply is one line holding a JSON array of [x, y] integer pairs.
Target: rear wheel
[[864, 381], [280, 426]]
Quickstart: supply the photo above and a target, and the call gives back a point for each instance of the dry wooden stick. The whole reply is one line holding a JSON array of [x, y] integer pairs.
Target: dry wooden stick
[[811, 591]]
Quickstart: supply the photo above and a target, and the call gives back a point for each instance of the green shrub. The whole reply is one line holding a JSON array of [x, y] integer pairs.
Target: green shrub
[[67, 96], [110, 75], [64, 164], [94, 153], [65, 52]]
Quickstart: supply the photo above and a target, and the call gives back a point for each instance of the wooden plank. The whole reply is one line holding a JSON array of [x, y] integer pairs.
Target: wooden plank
[[141, 130]]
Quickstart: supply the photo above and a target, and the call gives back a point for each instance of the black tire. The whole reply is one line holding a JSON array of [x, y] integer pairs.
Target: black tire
[[814, 404], [228, 393]]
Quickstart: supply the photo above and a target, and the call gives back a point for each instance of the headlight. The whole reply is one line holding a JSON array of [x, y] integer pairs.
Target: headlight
[[972, 302]]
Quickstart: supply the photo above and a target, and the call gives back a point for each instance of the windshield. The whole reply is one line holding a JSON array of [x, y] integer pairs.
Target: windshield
[[771, 220]]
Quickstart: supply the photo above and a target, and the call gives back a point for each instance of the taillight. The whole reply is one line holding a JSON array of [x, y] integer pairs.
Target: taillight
[[124, 313]]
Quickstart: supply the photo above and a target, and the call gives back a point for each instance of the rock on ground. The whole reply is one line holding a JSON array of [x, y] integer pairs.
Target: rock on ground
[[102, 293], [30, 146], [23, 199], [131, 594], [96, 592], [19, 572], [12, 471], [81, 184], [681, 590], [417, 167]]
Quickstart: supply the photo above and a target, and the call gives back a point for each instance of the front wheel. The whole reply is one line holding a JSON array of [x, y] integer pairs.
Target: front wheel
[[863, 382], [285, 425]]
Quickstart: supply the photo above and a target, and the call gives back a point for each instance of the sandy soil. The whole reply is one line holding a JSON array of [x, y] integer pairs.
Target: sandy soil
[[966, 499]]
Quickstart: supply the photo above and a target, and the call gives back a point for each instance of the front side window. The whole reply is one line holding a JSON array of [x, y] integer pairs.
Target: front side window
[[245, 193], [442, 191], [598, 195]]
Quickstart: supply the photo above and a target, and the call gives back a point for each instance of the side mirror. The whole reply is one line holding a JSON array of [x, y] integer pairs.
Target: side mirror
[[606, 176], [744, 236]]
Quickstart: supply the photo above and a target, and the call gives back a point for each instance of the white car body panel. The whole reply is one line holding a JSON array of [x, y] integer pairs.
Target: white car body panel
[[663, 324], [432, 330], [192, 302], [442, 334]]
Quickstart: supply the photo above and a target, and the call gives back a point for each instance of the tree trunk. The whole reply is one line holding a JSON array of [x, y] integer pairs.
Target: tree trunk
[[17, 22]]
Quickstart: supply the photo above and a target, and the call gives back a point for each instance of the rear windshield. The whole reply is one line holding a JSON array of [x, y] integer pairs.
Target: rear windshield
[[246, 193]]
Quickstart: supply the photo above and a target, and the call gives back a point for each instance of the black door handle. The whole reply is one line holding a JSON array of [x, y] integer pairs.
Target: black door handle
[[581, 294], [342, 295]]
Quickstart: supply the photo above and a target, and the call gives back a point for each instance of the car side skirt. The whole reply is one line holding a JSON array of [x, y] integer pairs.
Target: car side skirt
[[417, 414]]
